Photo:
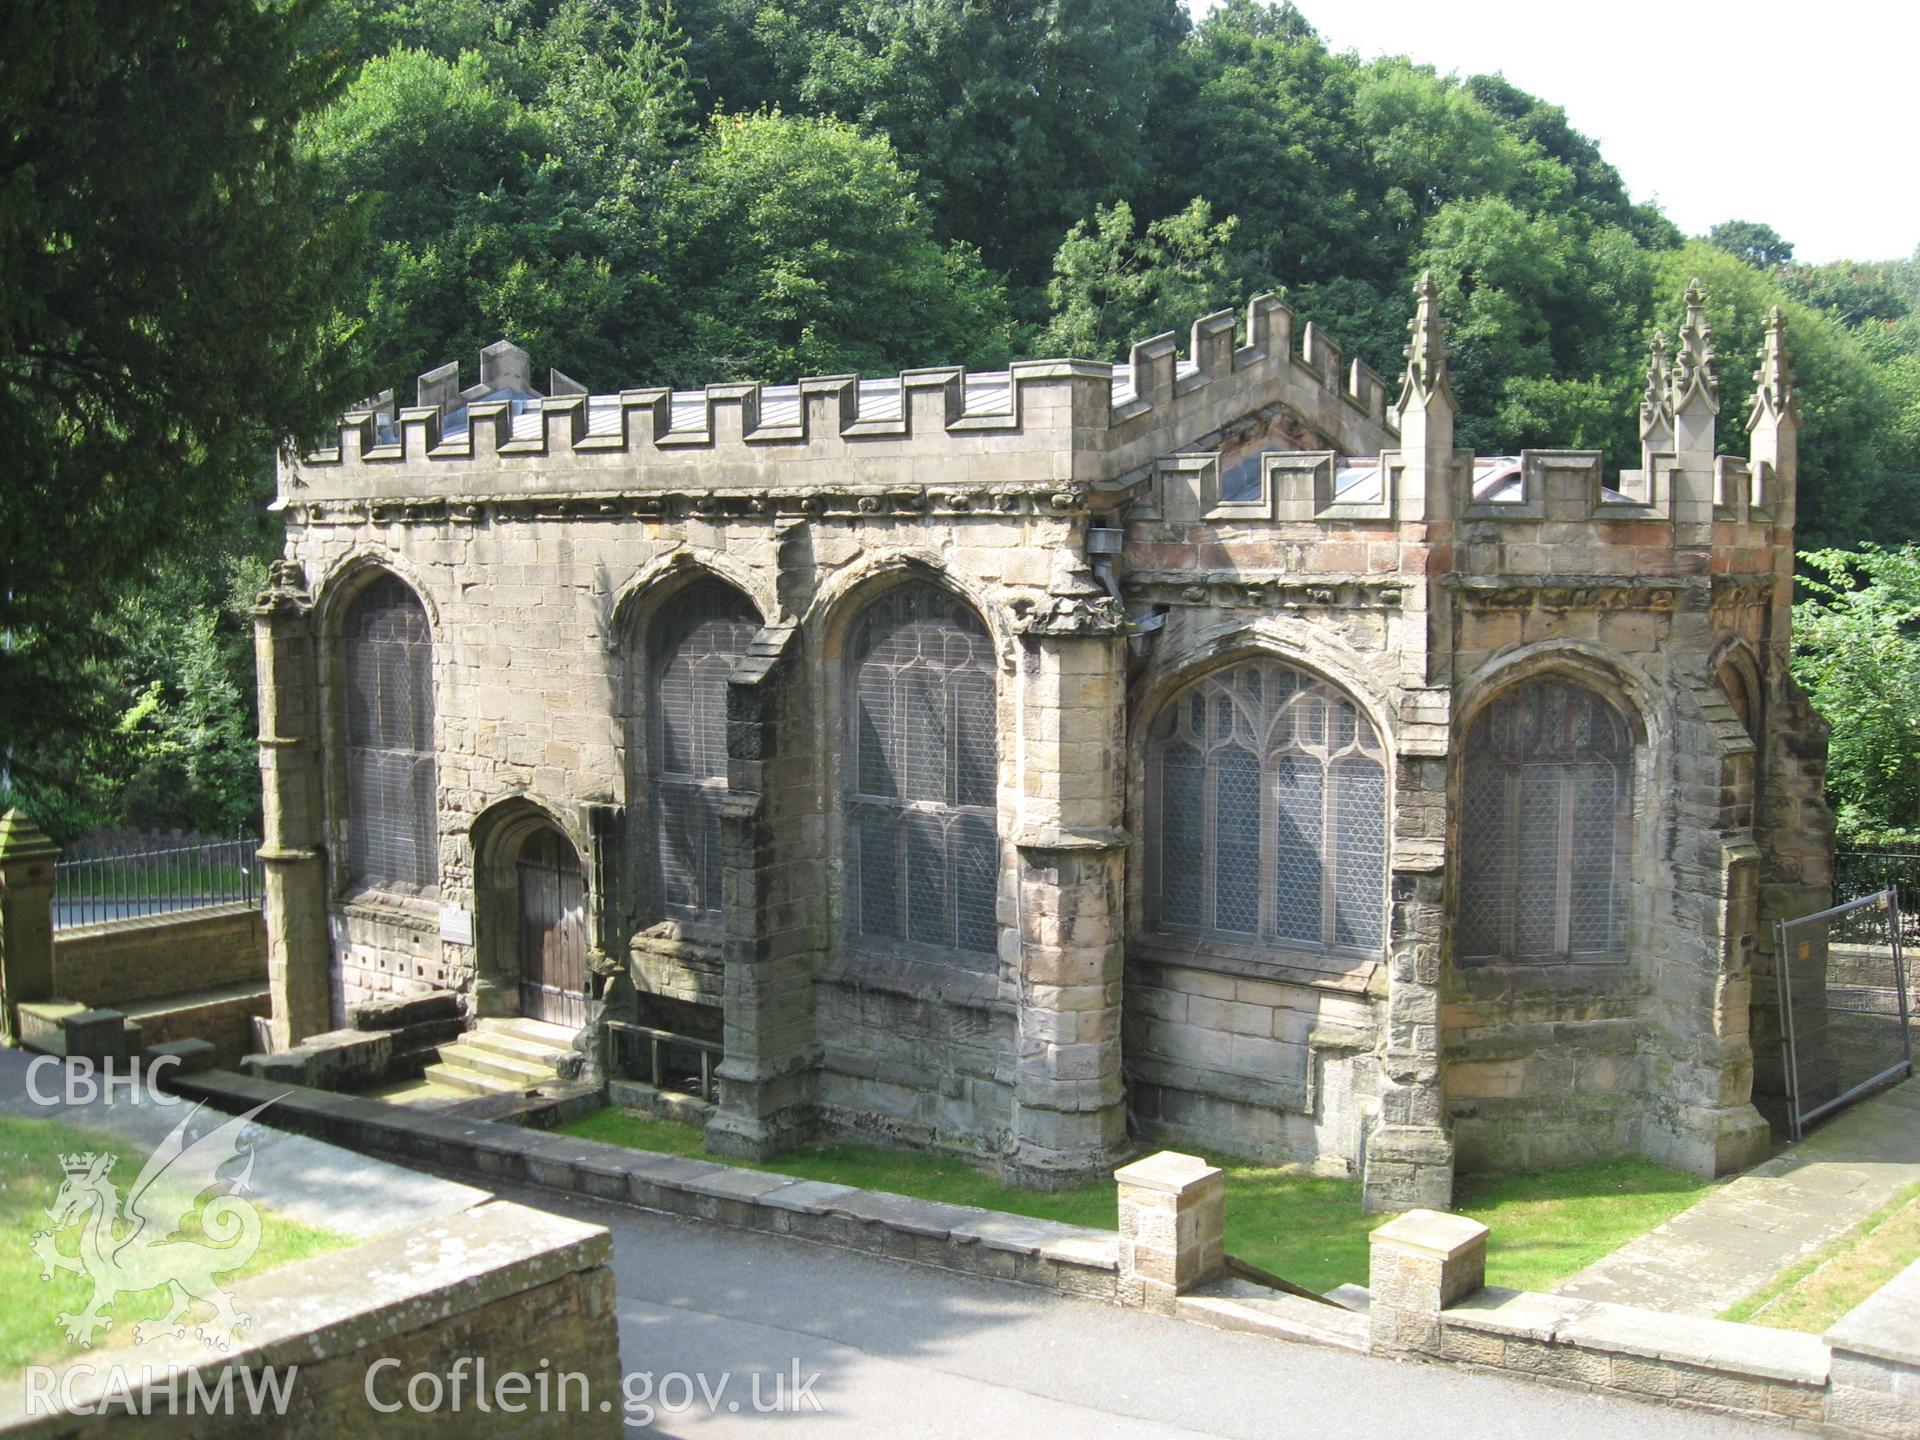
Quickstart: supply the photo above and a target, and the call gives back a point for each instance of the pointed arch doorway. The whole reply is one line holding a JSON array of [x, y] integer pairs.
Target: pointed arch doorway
[[552, 937], [532, 921]]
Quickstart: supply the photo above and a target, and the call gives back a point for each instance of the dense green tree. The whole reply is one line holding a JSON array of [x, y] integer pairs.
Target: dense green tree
[[1860, 297], [1112, 286], [799, 247], [491, 217], [1758, 245], [168, 277], [1856, 653], [1018, 115], [1268, 134]]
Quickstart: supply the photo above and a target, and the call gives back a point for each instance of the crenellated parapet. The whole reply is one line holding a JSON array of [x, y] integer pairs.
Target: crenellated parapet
[[1071, 421]]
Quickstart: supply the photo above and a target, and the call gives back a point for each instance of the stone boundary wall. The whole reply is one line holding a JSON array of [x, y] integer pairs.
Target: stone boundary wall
[[1428, 1302], [195, 975], [124, 962], [500, 1284], [1066, 1258]]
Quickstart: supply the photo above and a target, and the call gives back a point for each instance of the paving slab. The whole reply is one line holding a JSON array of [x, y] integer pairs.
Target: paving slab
[[1735, 1240], [293, 1176]]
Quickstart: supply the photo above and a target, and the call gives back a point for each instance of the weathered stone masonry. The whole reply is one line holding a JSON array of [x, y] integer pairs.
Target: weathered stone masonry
[[1246, 529]]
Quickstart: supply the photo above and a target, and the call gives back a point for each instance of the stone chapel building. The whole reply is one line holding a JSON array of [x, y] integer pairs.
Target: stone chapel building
[[1006, 763]]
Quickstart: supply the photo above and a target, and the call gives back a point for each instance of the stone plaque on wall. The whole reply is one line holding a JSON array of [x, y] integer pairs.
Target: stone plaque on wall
[[456, 924]]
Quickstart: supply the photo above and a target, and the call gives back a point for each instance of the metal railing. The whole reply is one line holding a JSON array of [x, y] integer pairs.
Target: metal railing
[[663, 1068], [1846, 1014], [1859, 873], [146, 883]]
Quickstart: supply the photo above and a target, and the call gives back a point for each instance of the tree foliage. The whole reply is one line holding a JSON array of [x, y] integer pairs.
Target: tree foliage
[[1111, 286], [1750, 242], [1857, 653], [800, 248], [167, 308]]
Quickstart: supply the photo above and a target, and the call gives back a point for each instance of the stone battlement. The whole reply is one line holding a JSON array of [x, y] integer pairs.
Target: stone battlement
[[941, 425]]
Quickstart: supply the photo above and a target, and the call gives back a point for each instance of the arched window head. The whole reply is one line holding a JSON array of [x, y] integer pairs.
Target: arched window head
[[1268, 797], [392, 829], [922, 770], [1545, 828], [697, 642]]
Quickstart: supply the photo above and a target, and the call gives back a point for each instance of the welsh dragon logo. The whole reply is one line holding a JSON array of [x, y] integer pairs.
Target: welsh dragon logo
[[135, 1245]]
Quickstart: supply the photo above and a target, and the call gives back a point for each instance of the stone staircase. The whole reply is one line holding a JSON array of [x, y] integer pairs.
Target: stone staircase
[[506, 1057]]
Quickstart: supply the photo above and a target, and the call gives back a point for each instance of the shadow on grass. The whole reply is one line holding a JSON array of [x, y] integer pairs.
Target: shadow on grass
[[1546, 1224]]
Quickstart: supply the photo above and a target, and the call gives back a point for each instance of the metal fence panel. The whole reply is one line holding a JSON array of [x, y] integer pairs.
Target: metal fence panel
[[161, 881], [1846, 1004]]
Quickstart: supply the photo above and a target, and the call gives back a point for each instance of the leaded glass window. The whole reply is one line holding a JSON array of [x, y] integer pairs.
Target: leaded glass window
[[392, 830], [922, 770], [1545, 828], [1268, 794], [698, 642]]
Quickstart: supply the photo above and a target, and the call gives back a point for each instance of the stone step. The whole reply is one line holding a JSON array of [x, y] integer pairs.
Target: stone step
[[510, 1069], [516, 1047], [470, 1082], [541, 1032], [1232, 1304]]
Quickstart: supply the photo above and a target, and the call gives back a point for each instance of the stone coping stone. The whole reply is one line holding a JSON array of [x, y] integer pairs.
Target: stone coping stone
[[1089, 1249], [1782, 1355], [1168, 1172], [726, 1183], [366, 1297], [992, 1230], [1747, 1351], [1432, 1233], [807, 1197], [165, 920], [1517, 1314], [931, 1218], [1886, 1325]]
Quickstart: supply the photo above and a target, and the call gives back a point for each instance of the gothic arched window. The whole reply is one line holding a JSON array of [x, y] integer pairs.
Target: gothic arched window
[[697, 643], [1268, 791], [392, 825], [1545, 828], [922, 771]]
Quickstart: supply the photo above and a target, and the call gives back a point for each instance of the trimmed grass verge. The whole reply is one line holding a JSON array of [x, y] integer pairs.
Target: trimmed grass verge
[[1307, 1228], [1839, 1275], [30, 1178]]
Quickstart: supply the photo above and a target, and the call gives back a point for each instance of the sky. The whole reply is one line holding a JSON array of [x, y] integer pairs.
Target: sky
[[1805, 117]]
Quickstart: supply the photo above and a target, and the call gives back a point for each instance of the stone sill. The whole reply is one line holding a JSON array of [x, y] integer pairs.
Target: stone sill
[[677, 943], [388, 907], [1042, 1253], [1601, 1328], [1290, 968], [915, 974]]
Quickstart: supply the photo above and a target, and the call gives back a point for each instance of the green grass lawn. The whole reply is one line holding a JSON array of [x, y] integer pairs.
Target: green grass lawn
[[1306, 1228], [30, 1177], [1840, 1274]]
